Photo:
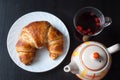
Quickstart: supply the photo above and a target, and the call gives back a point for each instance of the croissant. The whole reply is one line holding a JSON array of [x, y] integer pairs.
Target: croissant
[[36, 35]]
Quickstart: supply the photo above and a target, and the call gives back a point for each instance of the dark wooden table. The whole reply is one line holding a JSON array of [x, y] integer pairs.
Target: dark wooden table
[[11, 10]]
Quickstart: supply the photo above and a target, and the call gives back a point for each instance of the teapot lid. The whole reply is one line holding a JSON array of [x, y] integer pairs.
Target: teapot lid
[[94, 56]]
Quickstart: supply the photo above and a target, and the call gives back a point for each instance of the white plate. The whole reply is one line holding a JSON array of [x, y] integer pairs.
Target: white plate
[[42, 60]]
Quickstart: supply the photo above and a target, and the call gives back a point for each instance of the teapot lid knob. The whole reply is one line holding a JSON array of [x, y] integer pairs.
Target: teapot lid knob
[[96, 55]]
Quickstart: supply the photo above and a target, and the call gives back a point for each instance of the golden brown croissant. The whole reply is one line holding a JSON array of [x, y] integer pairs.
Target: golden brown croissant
[[39, 34]]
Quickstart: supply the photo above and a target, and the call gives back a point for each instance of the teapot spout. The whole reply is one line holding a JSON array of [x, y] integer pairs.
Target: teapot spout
[[67, 68], [72, 67]]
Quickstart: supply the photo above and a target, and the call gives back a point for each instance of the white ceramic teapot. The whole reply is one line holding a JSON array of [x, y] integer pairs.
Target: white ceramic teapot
[[91, 60]]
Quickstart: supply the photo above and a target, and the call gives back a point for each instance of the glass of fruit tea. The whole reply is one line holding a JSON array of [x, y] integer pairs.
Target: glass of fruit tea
[[90, 21]]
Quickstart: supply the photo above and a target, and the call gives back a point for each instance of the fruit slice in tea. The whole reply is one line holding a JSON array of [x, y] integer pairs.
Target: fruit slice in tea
[[88, 23]]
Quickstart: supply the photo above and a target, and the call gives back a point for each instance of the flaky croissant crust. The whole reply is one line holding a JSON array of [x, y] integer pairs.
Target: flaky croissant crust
[[39, 34]]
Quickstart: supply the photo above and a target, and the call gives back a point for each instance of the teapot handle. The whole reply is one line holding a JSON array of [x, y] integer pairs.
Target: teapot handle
[[114, 48]]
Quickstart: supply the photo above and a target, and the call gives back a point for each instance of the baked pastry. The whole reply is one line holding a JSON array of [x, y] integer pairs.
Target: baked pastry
[[36, 35]]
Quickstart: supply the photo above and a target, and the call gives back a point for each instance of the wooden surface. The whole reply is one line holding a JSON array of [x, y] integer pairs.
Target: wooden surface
[[11, 10]]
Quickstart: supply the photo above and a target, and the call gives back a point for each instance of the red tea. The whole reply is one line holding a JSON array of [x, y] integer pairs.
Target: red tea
[[88, 23]]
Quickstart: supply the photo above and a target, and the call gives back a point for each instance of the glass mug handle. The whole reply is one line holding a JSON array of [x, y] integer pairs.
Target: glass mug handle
[[108, 21]]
